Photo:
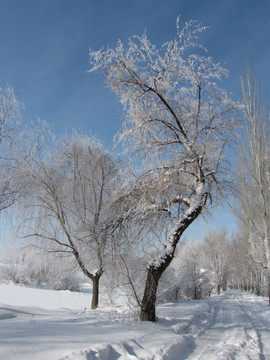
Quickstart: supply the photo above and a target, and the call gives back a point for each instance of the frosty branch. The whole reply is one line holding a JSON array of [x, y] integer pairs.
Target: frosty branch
[[177, 123]]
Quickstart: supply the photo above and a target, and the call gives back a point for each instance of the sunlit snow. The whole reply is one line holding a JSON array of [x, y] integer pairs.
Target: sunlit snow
[[43, 324]]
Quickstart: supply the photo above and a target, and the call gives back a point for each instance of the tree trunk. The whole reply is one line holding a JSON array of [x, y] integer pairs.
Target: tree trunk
[[95, 293], [94, 277], [195, 293], [268, 285], [258, 283], [160, 264], [218, 289], [267, 252], [224, 281], [148, 307]]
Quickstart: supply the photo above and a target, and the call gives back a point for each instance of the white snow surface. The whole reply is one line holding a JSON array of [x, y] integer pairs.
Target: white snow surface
[[59, 325]]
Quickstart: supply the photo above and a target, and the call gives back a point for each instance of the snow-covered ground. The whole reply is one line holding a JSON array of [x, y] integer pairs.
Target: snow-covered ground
[[42, 324]]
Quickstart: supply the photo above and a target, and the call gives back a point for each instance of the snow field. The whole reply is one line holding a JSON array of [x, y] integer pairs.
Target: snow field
[[43, 324]]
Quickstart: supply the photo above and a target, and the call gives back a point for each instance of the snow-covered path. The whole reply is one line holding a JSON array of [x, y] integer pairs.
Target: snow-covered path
[[235, 325], [237, 329]]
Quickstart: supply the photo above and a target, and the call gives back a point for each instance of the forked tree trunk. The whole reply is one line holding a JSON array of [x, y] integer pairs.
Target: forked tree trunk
[[94, 277], [156, 269]]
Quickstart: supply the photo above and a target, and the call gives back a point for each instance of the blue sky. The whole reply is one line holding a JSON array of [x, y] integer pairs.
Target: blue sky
[[44, 46]]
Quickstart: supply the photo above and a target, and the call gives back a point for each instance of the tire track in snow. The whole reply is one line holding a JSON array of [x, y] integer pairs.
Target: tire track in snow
[[207, 343], [256, 325], [231, 334], [201, 329], [202, 324], [204, 354]]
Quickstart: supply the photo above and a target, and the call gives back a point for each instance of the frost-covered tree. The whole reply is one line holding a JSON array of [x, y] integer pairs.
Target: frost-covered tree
[[188, 276], [10, 262], [177, 123], [240, 267], [68, 196], [254, 178], [9, 119], [216, 247], [28, 265]]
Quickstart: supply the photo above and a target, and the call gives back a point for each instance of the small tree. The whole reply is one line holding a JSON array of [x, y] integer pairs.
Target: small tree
[[68, 194], [10, 262], [177, 123], [216, 248], [240, 274]]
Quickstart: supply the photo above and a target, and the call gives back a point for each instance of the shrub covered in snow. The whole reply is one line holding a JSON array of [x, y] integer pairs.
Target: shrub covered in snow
[[28, 266]]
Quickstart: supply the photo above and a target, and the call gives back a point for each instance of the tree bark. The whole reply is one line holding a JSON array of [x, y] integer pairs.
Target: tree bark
[[224, 281], [148, 308], [268, 285], [267, 251], [95, 293], [94, 277], [155, 270]]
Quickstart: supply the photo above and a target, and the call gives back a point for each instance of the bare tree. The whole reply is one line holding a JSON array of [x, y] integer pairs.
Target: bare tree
[[216, 247], [68, 195], [240, 274], [177, 123], [254, 177], [9, 118]]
